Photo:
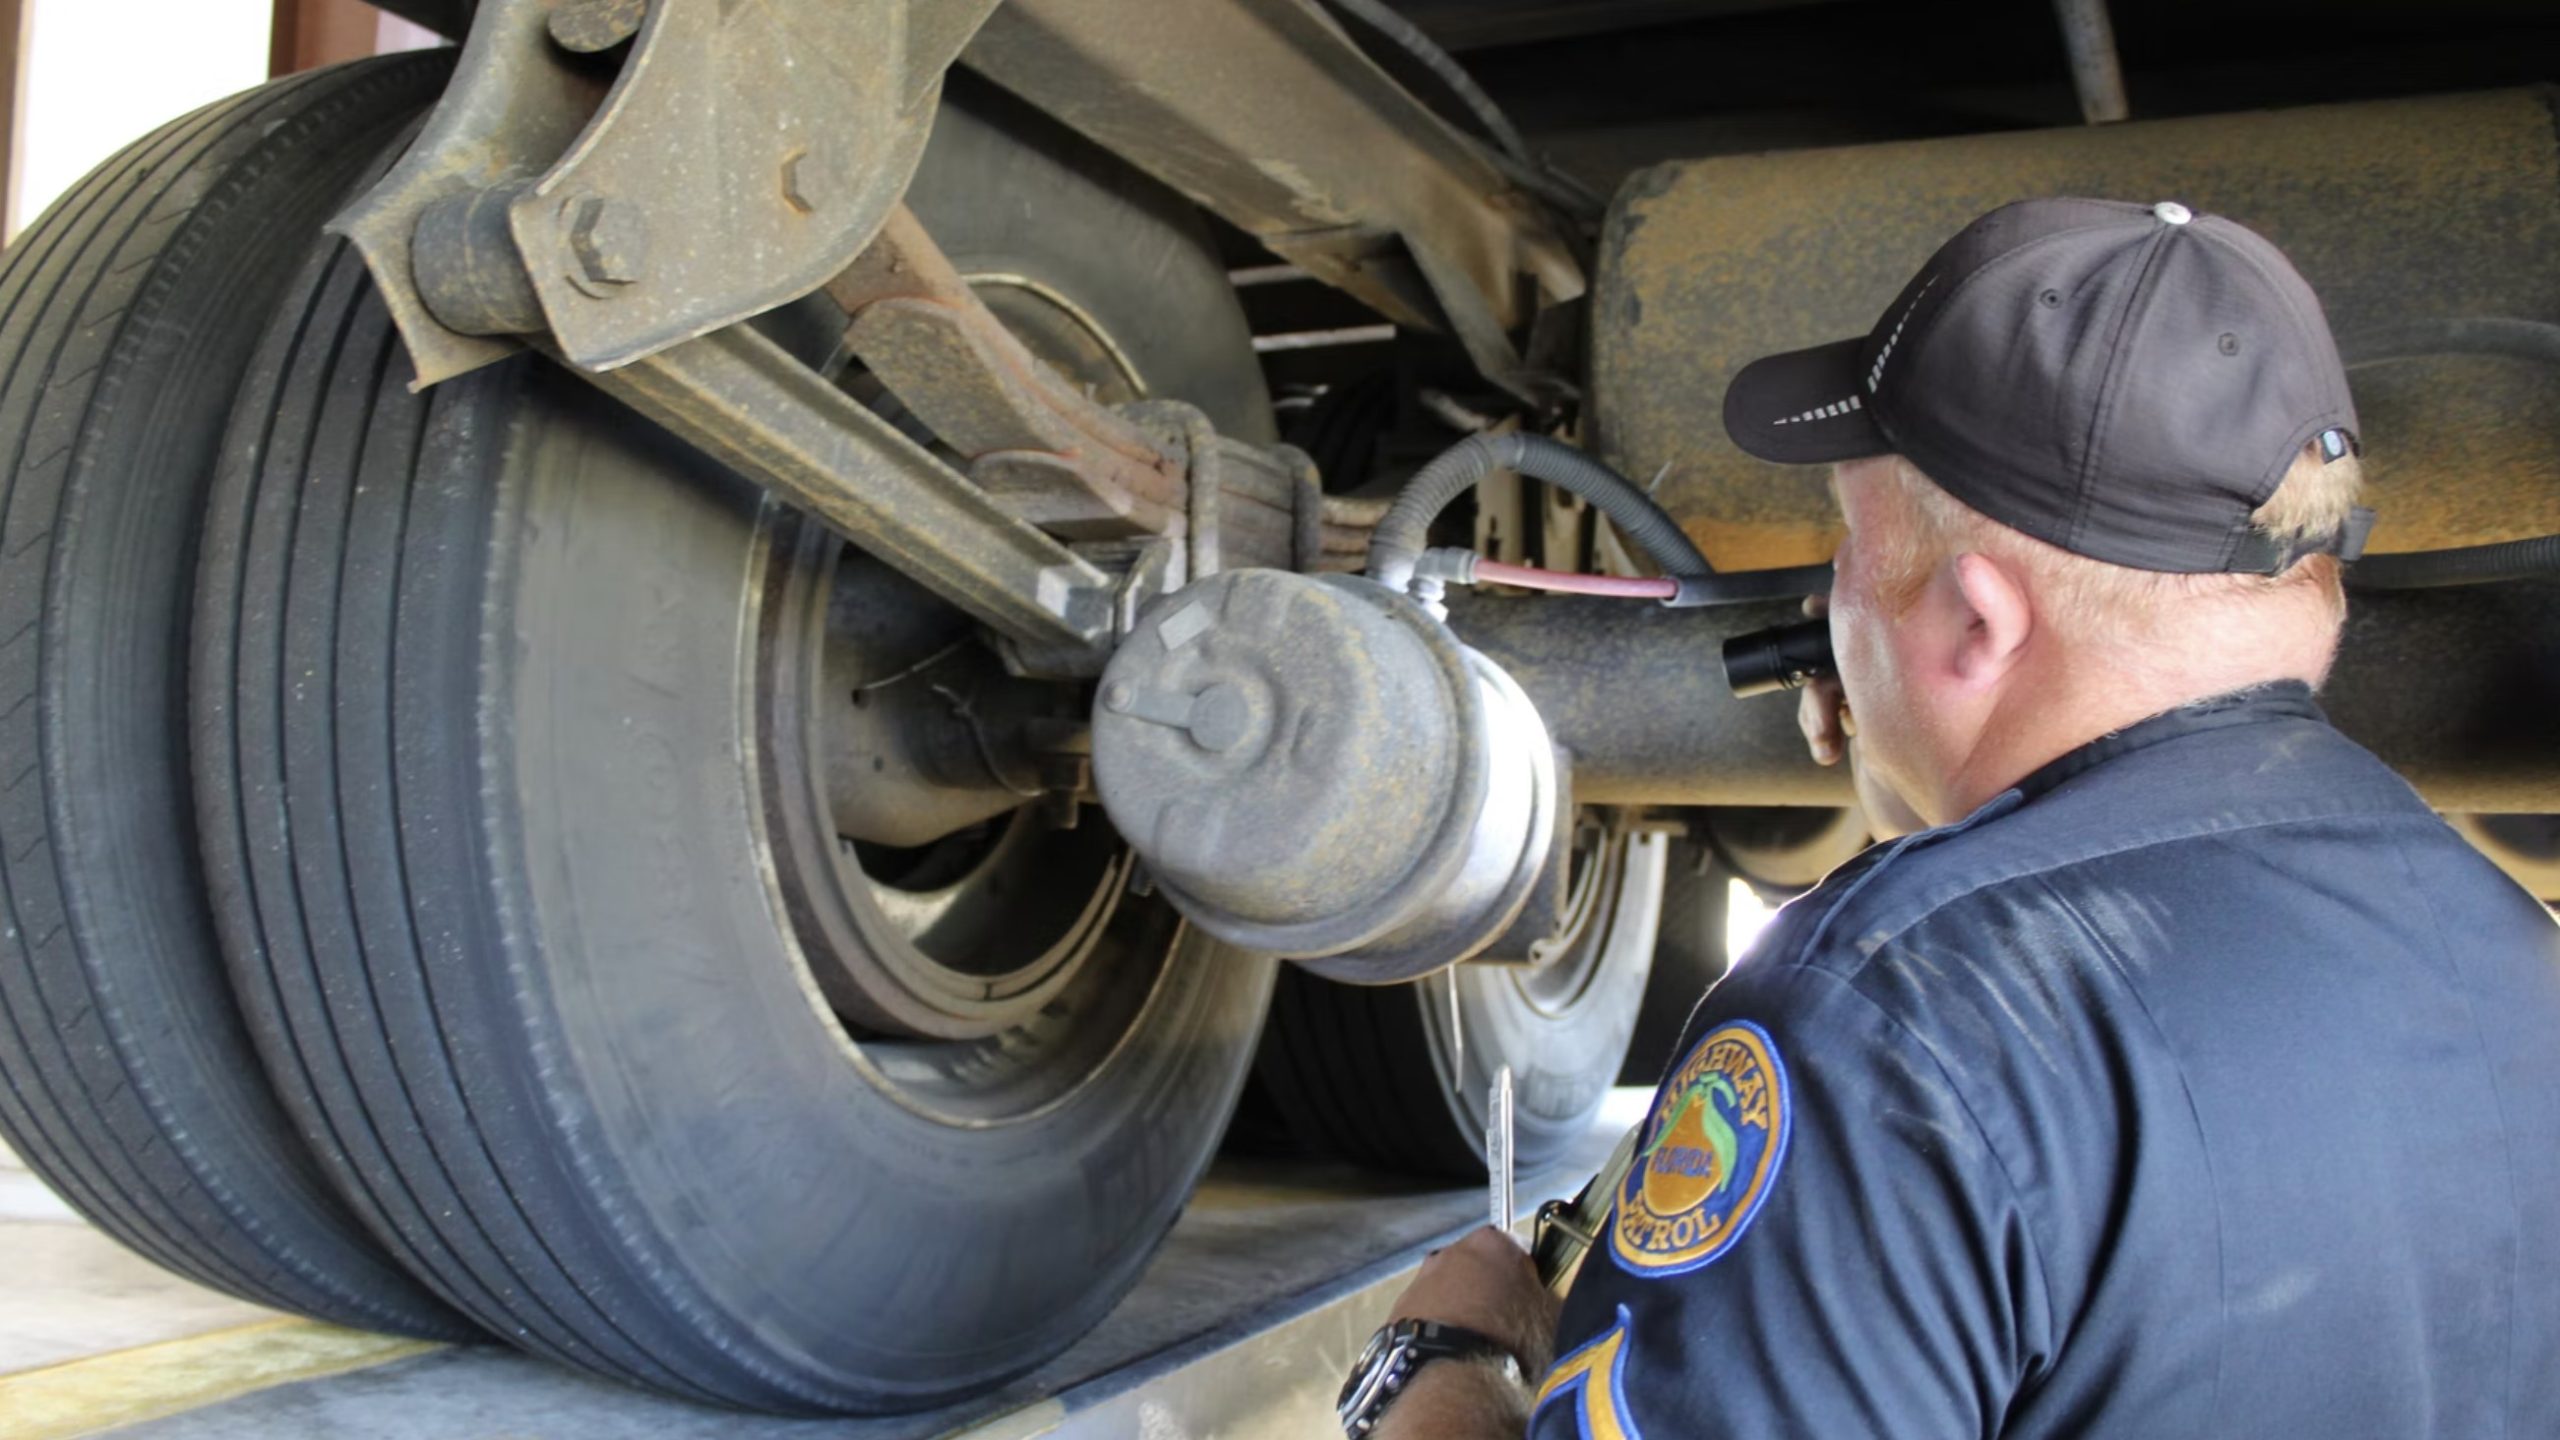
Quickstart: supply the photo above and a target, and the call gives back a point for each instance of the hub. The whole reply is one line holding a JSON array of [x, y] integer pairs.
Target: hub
[[1315, 767]]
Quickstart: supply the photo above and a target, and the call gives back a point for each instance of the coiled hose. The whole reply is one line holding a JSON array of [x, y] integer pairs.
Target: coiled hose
[[1397, 545]]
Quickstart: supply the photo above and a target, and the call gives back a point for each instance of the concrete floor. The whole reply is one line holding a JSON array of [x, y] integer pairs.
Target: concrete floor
[[1241, 1329], [68, 1292]]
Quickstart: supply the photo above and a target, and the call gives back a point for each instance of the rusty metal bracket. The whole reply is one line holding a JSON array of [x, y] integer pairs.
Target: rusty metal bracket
[[1247, 505], [1059, 460], [1265, 112], [742, 156], [1051, 454], [516, 102], [747, 153]]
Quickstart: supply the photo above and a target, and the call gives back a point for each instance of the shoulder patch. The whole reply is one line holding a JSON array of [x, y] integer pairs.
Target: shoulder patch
[[1711, 1153]]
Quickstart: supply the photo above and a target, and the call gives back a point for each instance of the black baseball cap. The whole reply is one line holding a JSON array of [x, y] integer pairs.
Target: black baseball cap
[[2128, 382]]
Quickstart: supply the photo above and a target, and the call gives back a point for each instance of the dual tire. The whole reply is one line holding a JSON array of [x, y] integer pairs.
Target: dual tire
[[479, 711], [393, 934]]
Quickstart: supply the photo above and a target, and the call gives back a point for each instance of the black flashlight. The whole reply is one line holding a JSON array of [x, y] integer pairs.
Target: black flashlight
[[1782, 657]]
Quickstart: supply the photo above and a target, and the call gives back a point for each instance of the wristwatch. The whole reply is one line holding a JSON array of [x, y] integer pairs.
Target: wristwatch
[[1392, 1356]]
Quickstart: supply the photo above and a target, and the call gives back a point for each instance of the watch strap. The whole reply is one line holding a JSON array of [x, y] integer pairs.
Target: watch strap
[[1397, 1353]]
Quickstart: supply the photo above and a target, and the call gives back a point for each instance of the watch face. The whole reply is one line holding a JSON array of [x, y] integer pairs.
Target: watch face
[[1370, 1352]]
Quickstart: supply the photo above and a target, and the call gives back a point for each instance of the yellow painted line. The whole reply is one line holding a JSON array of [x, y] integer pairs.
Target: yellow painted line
[[1028, 1423], [151, 1382]]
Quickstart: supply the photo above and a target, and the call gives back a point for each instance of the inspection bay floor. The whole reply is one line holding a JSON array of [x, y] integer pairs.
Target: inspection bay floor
[[1242, 1328]]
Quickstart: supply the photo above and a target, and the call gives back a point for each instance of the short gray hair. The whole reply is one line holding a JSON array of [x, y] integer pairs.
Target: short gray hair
[[2100, 603]]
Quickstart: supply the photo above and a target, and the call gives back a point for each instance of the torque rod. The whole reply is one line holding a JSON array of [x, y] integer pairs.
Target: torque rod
[[747, 403]]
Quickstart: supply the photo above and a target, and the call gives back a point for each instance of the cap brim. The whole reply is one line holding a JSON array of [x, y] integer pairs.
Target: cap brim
[[1806, 407]]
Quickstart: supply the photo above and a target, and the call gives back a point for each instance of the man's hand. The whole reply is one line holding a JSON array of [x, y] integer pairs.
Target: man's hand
[[1822, 707], [1831, 732], [1488, 1284]]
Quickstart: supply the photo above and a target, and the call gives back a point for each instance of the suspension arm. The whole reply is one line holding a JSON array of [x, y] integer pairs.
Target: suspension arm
[[746, 402]]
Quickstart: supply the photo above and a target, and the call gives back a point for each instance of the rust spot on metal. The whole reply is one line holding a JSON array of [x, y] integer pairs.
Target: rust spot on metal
[[1054, 455], [2397, 211]]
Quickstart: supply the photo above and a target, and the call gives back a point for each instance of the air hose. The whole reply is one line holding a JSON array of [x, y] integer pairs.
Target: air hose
[[1397, 545], [1396, 549], [1512, 154], [2468, 565]]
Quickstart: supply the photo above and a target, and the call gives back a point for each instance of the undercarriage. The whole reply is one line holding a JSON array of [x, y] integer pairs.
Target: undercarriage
[[710, 686]]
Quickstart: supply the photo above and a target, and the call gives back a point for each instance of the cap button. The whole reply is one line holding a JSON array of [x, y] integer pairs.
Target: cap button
[[2171, 212]]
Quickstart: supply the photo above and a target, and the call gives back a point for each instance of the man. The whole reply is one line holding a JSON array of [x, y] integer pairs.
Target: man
[[2189, 1077]]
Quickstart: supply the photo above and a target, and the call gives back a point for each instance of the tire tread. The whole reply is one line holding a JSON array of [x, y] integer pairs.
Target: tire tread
[[92, 1098]]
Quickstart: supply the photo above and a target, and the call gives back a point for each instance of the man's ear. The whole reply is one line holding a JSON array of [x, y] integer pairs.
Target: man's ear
[[2000, 619]]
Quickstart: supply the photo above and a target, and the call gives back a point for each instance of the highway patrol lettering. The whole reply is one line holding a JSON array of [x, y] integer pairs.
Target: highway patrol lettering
[[1712, 1150]]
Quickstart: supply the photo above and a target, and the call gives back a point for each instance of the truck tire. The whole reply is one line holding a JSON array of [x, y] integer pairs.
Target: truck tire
[[127, 1079], [488, 792], [1397, 1076], [1689, 957]]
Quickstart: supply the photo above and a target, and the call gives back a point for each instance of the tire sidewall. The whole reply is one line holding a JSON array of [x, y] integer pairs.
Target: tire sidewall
[[208, 1173]]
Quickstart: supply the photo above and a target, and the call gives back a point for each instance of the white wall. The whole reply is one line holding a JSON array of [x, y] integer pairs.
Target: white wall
[[102, 72]]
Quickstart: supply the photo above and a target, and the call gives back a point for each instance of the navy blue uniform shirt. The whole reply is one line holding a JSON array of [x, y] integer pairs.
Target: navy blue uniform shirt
[[2204, 1084]]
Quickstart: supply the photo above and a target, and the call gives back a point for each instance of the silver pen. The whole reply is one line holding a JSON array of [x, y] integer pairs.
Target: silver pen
[[1497, 1148]]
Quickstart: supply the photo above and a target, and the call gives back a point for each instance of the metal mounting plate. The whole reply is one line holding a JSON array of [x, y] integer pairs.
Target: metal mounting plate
[[741, 156], [745, 156]]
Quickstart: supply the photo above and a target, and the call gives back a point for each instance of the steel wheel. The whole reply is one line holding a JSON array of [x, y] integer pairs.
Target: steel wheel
[[1397, 1076]]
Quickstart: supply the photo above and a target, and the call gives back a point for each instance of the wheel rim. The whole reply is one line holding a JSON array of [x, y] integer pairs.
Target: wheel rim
[[1063, 334], [970, 1040], [985, 976], [960, 939], [1570, 958]]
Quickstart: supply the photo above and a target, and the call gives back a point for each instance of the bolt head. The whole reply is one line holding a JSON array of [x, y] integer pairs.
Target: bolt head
[[1118, 694], [808, 183], [610, 239]]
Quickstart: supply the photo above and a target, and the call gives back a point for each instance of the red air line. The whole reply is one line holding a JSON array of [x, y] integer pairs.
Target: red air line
[[1623, 587]]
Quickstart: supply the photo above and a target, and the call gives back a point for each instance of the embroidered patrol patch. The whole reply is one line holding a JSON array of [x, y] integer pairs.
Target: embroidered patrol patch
[[1712, 1148]]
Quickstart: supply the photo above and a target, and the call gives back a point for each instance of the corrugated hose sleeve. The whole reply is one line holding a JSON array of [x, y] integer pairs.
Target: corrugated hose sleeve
[[2468, 565]]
